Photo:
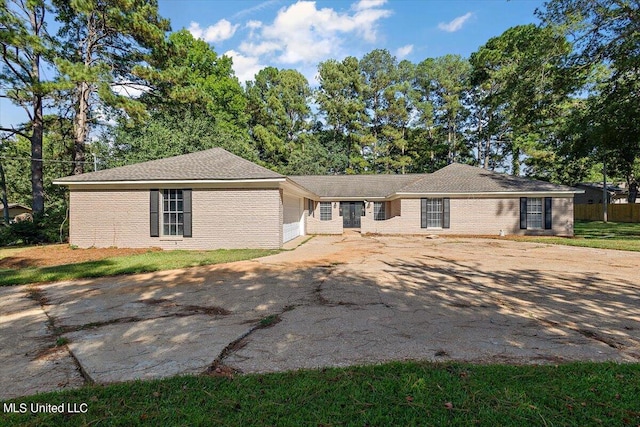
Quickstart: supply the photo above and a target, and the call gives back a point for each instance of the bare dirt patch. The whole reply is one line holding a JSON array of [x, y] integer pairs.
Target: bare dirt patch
[[50, 255]]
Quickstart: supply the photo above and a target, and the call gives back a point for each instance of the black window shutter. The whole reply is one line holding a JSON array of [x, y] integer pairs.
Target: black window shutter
[[154, 204], [446, 209], [548, 218], [523, 213], [186, 196], [423, 213]]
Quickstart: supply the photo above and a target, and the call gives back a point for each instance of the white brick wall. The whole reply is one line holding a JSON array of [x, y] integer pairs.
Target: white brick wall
[[221, 219], [473, 217], [316, 226]]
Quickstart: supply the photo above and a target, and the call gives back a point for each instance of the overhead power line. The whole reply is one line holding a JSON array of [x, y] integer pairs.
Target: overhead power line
[[44, 160]]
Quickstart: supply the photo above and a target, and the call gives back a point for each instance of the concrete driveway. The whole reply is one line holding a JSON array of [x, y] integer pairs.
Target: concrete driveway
[[334, 301]]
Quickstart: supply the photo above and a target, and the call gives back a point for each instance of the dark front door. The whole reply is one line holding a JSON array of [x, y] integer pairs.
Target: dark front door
[[351, 213]]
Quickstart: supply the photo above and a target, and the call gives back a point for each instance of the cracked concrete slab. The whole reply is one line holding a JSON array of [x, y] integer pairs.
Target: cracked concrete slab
[[373, 334], [340, 300], [31, 361], [153, 348]]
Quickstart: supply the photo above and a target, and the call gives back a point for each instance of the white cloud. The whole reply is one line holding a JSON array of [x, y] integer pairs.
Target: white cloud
[[455, 24], [257, 49], [368, 4], [302, 33], [221, 30], [256, 8], [245, 67], [128, 89], [403, 51]]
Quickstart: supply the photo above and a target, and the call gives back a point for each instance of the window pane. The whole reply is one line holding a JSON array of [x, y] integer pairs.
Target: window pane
[[534, 213], [325, 211], [434, 213], [378, 211], [172, 212]]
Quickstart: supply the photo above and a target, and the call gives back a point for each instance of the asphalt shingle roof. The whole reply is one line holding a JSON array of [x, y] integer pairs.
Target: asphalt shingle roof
[[212, 164], [455, 178], [355, 186], [459, 178], [219, 164]]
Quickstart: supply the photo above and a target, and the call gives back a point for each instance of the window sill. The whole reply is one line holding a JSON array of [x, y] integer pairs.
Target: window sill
[[171, 238]]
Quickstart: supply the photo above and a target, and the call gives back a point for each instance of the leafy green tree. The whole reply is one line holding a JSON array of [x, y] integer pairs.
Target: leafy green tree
[[525, 88], [379, 73], [340, 101], [25, 49], [186, 76], [443, 87], [606, 32], [278, 105], [165, 135], [101, 42]]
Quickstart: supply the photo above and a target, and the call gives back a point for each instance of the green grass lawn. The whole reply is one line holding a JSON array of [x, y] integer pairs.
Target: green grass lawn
[[403, 394], [141, 263], [617, 230], [597, 234]]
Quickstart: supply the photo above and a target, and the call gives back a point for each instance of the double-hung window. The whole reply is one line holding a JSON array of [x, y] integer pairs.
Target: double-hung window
[[310, 207], [536, 213], [434, 213], [379, 211], [325, 211], [172, 213]]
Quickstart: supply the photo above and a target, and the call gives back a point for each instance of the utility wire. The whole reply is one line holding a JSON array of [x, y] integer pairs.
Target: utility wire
[[44, 160]]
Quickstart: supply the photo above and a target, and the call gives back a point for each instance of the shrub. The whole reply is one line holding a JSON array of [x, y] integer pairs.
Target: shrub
[[43, 229]]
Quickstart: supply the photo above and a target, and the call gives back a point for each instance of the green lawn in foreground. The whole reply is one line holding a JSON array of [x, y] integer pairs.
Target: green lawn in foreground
[[403, 394], [597, 234], [146, 262]]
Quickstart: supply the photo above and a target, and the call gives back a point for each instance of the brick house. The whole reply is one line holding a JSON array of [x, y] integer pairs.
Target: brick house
[[214, 199]]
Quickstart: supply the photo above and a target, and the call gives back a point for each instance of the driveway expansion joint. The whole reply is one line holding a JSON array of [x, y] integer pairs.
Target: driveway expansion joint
[[37, 295]]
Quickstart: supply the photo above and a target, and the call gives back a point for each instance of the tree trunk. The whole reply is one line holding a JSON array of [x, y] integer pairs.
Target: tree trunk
[[487, 153], [37, 179], [515, 161], [632, 184], [5, 203], [37, 182], [81, 127]]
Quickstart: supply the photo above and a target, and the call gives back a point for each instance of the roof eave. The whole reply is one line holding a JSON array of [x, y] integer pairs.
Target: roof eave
[[541, 193], [170, 182]]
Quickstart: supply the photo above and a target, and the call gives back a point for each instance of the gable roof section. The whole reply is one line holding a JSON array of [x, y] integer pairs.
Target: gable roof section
[[14, 206], [458, 178], [355, 186], [213, 164], [217, 164]]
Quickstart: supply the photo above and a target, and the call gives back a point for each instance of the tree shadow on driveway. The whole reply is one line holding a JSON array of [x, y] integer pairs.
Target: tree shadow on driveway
[[369, 302]]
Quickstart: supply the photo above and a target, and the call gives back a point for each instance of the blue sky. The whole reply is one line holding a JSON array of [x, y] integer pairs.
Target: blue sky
[[300, 34]]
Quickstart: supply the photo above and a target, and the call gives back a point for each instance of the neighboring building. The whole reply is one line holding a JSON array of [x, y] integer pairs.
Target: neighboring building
[[593, 194], [14, 210], [214, 199]]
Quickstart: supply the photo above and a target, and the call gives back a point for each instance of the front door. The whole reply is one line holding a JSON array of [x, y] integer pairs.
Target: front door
[[351, 213]]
